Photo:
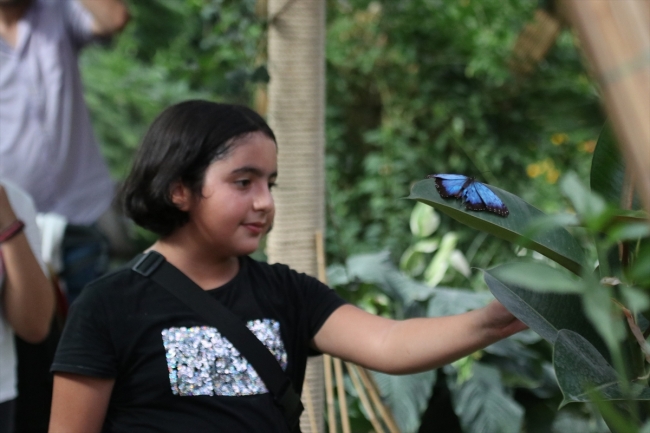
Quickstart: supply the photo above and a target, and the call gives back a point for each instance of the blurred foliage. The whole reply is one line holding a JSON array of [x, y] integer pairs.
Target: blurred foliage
[[423, 86], [413, 87]]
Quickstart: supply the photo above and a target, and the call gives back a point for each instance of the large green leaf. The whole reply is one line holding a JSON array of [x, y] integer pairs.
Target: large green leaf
[[556, 244], [447, 302], [483, 406], [545, 313], [407, 396], [539, 277], [608, 169], [583, 374]]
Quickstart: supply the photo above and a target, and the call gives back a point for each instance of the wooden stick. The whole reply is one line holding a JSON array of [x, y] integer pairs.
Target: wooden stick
[[329, 394], [320, 257], [352, 371], [340, 388], [327, 359], [385, 413]]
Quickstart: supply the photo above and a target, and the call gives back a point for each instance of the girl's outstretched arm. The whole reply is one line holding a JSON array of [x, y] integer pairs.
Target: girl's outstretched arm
[[79, 403], [413, 345]]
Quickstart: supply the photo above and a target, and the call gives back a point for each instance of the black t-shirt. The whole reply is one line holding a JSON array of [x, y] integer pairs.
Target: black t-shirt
[[175, 374]]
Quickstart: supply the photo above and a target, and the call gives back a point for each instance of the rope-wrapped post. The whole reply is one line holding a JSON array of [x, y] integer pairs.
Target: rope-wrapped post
[[296, 112]]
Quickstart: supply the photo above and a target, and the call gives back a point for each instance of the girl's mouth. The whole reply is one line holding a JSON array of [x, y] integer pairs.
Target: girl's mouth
[[255, 228]]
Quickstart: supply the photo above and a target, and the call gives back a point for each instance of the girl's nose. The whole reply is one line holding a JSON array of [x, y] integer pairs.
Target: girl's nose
[[264, 200]]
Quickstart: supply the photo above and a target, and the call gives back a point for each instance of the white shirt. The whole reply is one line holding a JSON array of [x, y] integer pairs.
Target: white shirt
[[47, 145], [24, 209]]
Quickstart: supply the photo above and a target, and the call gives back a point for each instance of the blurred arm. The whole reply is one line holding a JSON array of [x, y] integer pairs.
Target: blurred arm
[[110, 16], [28, 296]]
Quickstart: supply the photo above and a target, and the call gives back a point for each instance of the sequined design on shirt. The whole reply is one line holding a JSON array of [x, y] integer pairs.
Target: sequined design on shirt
[[203, 362]]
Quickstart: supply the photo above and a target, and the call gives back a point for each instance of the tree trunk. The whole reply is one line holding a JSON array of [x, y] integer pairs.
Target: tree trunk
[[296, 113]]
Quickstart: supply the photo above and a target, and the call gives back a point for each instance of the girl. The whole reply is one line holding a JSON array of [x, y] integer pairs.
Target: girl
[[133, 358]]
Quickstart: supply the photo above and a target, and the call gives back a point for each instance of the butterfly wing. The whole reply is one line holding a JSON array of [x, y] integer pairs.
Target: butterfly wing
[[450, 185], [472, 198], [477, 196]]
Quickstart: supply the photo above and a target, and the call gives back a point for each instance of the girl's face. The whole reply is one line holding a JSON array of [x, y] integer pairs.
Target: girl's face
[[237, 207]]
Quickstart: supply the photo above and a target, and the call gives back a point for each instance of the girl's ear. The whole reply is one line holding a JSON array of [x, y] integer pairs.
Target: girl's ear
[[181, 196]]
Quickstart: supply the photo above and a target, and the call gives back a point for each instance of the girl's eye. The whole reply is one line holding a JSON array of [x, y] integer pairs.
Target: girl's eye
[[272, 185], [243, 182]]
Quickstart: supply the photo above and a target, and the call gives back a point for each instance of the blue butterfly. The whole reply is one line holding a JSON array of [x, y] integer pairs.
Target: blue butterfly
[[475, 195]]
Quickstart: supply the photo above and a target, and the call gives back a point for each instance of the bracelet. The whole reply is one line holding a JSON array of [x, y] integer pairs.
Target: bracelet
[[12, 230]]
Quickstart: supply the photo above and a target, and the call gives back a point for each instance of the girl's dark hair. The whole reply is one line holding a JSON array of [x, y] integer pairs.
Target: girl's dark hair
[[179, 146]]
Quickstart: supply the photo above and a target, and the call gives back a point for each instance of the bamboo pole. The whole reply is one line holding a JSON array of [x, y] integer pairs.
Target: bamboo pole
[[352, 372], [371, 386], [340, 388], [615, 36], [329, 394], [327, 359]]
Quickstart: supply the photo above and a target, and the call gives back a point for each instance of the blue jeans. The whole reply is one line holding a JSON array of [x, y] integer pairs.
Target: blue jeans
[[85, 258]]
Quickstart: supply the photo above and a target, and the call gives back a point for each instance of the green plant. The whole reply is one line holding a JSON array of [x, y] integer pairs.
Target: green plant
[[592, 307], [499, 389]]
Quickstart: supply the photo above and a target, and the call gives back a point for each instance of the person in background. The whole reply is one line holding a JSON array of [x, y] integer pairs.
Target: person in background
[[47, 145], [26, 295], [47, 148]]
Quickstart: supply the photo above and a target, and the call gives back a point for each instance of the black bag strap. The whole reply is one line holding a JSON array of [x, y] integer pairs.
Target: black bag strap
[[154, 266]]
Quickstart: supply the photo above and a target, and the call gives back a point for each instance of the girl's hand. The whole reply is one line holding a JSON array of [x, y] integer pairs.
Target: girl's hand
[[499, 322]]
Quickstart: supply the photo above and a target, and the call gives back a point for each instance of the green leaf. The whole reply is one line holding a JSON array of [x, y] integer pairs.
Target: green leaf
[[446, 302], [458, 261], [483, 406], [629, 231], [608, 169], [586, 203], [575, 421], [378, 269], [426, 245], [604, 315], [437, 269], [583, 374], [645, 428], [556, 244], [412, 262], [407, 396], [424, 220], [544, 313], [538, 277]]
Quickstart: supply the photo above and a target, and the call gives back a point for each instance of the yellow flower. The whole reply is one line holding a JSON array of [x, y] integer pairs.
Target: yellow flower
[[546, 165], [559, 138], [533, 170], [552, 176], [588, 146]]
